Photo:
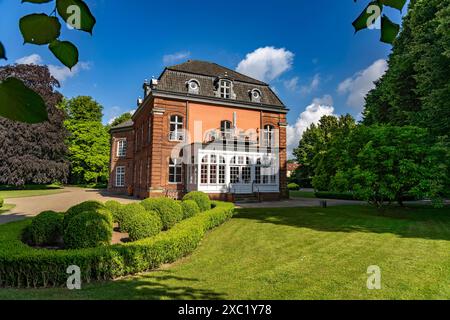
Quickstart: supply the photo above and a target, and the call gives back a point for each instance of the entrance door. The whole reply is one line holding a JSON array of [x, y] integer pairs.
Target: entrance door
[[241, 179]]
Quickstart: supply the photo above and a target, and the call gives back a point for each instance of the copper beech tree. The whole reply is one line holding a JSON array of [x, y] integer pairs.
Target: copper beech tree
[[34, 153]]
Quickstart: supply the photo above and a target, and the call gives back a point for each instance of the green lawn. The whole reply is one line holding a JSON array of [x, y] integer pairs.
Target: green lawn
[[29, 191], [6, 207], [302, 194], [302, 253]]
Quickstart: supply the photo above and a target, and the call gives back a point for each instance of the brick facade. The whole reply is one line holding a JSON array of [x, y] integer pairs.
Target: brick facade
[[126, 134], [149, 147]]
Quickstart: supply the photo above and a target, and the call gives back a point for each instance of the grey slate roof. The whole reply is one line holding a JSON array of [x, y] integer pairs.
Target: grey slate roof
[[123, 125], [174, 79]]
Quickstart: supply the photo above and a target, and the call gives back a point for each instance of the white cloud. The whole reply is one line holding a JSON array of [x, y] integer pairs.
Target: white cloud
[[61, 73], [292, 84], [266, 64], [314, 85], [314, 112], [31, 59], [176, 57], [361, 83]]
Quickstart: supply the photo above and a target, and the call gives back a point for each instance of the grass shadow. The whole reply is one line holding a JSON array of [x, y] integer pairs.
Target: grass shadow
[[158, 285], [412, 222]]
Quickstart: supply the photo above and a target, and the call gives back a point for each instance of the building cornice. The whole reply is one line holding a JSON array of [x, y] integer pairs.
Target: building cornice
[[218, 101]]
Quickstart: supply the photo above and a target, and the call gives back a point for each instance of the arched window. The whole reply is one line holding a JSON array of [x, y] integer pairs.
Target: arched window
[[122, 148], [175, 171], [225, 126], [176, 128], [269, 134]]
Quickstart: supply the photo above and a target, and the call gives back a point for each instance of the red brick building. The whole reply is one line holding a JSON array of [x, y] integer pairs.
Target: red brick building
[[202, 127]]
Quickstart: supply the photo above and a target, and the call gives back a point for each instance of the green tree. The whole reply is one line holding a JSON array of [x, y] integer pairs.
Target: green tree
[[416, 88], [83, 109], [325, 162], [88, 141], [386, 163], [316, 141], [121, 119]]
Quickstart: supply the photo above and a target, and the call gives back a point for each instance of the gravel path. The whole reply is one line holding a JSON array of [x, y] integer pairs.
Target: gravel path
[[32, 206]]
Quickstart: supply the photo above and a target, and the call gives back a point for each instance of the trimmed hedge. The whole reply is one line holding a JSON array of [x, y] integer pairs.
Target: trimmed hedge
[[45, 229], [190, 208], [89, 229], [24, 267], [80, 208], [293, 187], [115, 208], [144, 225], [169, 210], [202, 199], [126, 214]]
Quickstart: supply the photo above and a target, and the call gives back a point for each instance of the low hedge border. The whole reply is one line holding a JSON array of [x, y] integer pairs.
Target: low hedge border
[[22, 266]]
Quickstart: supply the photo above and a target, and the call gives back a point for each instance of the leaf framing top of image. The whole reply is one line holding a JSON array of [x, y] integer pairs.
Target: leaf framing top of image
[[20, 103], [76, 14], [39, 29]]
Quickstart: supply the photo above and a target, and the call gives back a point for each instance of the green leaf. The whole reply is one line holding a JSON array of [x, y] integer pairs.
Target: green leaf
[[37, 1], [39, 28], [367, 17], [397, 4], [77, 14], [389, 30], [2, 52], [65, 51], [20, 103]]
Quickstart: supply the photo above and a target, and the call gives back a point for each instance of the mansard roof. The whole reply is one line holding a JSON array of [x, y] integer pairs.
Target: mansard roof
[[175, 78]]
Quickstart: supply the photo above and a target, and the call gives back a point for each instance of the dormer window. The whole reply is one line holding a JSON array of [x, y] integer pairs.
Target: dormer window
[[225, 89], [193, 86], [255, 95]]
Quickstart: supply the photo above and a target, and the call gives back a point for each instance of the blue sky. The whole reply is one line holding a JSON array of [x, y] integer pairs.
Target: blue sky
[[307, 49]]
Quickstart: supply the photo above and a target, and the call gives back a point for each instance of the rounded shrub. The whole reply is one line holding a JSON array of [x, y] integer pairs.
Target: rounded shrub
[[127, 212], [22, 266], [88, 229], [201, 198], [45, 229], [169, 210], [190, 208], [115, 208], [144, 225], [293, 187], [2, 202], [82, 207]]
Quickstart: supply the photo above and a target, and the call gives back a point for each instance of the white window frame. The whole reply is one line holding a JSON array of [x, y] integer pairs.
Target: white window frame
[[177, 166], [269, 136], [178, 133], [225, 89], [120, 176], [122, 148], [192, 90]]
